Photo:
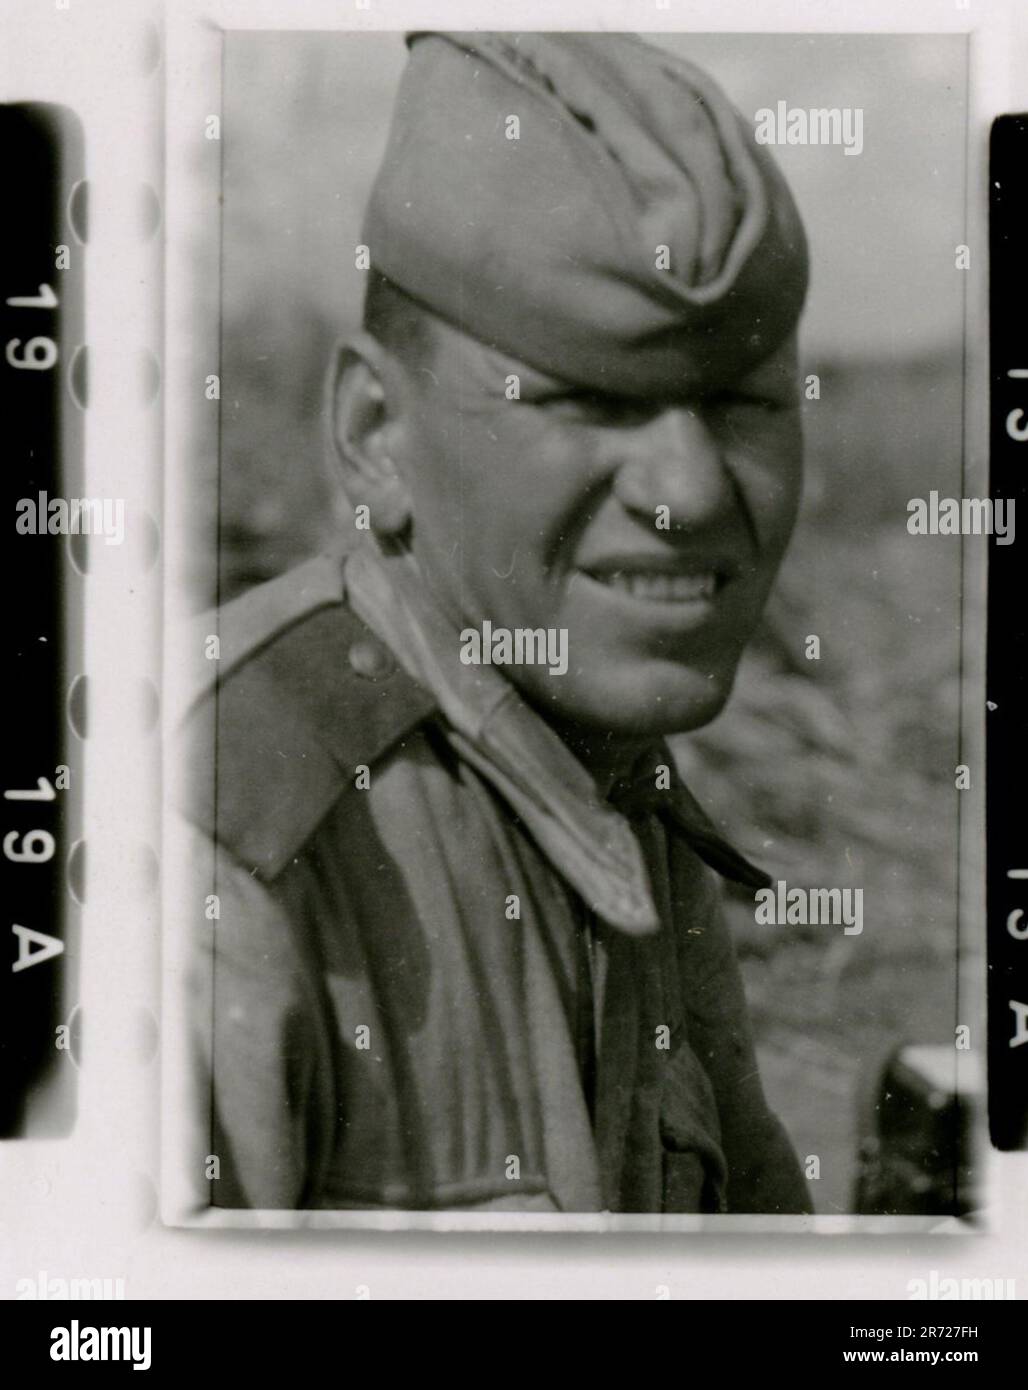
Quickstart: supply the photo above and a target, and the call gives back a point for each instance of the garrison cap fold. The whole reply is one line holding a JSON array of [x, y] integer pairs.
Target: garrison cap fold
[[546, 246]]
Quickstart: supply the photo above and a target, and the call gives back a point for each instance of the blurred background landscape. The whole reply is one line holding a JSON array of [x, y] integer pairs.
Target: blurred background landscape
[[837, 772]]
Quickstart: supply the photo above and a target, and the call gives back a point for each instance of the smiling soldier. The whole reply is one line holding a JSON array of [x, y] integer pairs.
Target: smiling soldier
[[469, 951]]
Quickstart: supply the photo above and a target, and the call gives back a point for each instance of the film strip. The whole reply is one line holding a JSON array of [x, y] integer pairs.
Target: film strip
[[45, 384], [1007, 745]]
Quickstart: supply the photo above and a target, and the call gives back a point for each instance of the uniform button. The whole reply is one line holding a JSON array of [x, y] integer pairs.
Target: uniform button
[[370, 659]]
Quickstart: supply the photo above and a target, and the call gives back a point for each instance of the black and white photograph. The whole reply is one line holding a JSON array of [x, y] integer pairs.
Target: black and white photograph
[[516, 741], [576, 784]]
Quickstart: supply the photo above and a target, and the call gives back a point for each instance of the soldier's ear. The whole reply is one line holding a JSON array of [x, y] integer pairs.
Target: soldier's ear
[[365, 434]]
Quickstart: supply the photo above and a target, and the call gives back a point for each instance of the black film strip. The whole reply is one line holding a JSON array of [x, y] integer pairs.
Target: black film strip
[[1007, 720], [44, 388]]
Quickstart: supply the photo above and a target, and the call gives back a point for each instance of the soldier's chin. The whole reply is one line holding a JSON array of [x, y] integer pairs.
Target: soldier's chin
[[652, 700]]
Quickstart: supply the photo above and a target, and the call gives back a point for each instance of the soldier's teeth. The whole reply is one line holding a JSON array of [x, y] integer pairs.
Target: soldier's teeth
[[680, 588]]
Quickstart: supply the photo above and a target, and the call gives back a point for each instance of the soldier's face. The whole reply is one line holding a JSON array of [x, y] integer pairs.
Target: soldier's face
[[651, 534]]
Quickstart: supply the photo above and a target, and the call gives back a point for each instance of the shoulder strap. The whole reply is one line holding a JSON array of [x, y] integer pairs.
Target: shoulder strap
[[308, 694], [255, 617]]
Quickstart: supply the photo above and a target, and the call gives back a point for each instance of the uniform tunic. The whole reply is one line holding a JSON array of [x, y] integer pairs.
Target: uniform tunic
[[408, 1000]]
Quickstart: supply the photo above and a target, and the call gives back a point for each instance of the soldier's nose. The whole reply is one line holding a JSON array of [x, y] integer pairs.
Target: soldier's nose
[[675, 461]]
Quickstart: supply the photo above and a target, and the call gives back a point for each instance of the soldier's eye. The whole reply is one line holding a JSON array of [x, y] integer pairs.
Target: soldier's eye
[[596, 407], [746, 400]]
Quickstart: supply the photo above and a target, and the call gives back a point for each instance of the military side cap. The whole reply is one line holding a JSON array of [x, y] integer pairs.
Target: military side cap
[[633, 238]]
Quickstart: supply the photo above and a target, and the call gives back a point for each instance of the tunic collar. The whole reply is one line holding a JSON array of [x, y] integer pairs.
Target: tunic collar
[[588, 839]]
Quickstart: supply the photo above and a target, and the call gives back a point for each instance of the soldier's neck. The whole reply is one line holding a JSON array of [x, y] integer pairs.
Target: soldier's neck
[[606, 756]]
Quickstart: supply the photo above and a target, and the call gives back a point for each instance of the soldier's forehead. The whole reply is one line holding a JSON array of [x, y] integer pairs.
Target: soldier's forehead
[[462, 361]]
